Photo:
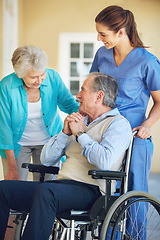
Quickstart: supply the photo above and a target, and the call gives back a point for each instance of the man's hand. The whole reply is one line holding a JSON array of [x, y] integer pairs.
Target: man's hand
[[74, 117], [77, 126]]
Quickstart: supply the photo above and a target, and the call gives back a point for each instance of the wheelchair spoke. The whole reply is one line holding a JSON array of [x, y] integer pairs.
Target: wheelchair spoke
[[147, 228], [138, 218]]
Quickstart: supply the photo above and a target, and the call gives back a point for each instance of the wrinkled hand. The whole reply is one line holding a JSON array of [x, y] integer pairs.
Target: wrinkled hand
[[143, 132], [74, 117], [77, 126], [12, 175]]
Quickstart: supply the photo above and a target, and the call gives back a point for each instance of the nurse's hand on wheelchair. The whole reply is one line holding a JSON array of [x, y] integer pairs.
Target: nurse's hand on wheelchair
[[143, 132]]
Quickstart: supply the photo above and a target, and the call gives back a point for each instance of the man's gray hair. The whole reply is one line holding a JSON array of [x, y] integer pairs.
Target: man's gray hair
[[28, 58], [108, 85]]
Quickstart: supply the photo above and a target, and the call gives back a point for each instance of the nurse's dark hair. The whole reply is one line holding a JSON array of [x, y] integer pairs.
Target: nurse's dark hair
[[107, 84], [115, 18]]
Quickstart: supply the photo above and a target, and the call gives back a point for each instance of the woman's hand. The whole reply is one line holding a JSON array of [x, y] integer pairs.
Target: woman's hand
[[12, 174], [143, 132]]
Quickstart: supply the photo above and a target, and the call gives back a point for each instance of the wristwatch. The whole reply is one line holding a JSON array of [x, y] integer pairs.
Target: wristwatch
[[79, 134]]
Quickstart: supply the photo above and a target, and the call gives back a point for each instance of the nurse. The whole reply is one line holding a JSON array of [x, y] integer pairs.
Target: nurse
[[137, 72]]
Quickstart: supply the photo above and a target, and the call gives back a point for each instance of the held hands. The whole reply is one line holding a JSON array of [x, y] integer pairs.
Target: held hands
[[77, 126], [73, 124], [143, 132]]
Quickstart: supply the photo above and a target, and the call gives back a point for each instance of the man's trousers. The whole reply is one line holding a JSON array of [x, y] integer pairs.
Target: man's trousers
[[43, 201]]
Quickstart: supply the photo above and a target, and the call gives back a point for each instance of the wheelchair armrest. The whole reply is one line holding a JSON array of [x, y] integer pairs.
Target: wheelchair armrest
[[106, 174], [40, 168]]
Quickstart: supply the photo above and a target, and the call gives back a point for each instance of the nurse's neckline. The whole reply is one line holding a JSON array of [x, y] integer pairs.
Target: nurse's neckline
[[121, 57]]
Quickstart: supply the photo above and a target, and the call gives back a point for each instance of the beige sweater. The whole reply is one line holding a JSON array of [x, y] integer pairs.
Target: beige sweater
[[77, 166]]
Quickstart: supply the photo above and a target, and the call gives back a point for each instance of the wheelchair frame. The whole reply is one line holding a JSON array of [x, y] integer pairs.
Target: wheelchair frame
[[108, 214]]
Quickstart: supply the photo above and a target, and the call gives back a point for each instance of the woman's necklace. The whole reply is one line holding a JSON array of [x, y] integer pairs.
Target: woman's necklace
[[33, 94]]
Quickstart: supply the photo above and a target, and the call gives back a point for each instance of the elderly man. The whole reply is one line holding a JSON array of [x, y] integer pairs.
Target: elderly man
[[94, 138]]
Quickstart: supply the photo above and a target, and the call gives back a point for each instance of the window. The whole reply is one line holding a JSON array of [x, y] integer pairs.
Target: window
[[76, 53]]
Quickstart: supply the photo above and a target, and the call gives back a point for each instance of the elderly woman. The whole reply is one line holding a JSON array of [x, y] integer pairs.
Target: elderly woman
[[29, 117]]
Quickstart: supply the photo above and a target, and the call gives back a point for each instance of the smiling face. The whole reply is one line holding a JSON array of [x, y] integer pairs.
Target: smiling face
[[33, 79], [108, 37], [87, 98]]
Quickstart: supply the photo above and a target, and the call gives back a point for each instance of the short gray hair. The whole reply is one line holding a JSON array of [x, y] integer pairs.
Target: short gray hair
[[107, 84], [28, 57]]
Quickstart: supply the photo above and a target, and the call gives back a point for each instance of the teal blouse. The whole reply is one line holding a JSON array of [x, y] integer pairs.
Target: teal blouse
[[14, 108]]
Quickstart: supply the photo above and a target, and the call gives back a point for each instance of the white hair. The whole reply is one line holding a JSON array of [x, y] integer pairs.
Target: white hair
[[108, 85], [28, 57]]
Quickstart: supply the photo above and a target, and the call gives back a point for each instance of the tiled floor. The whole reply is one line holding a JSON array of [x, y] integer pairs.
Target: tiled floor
[[154, 185]]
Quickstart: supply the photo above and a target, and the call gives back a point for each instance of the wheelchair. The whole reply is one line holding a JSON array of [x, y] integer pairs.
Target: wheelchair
[[111, 216]]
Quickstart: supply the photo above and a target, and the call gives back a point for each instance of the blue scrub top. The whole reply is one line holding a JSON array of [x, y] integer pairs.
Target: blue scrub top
[[138, 74]]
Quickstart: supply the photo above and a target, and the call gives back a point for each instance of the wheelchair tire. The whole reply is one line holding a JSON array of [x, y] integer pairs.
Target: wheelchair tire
[[119, 217], [83, 235], [20, 225]]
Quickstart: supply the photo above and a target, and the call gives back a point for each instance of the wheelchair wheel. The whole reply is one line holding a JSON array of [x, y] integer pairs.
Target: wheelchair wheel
[[21, 221], [134, 215], [61, 230], [20, 225]]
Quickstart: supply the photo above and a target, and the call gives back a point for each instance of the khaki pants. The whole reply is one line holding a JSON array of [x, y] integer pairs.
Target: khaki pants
[[24, 156]]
